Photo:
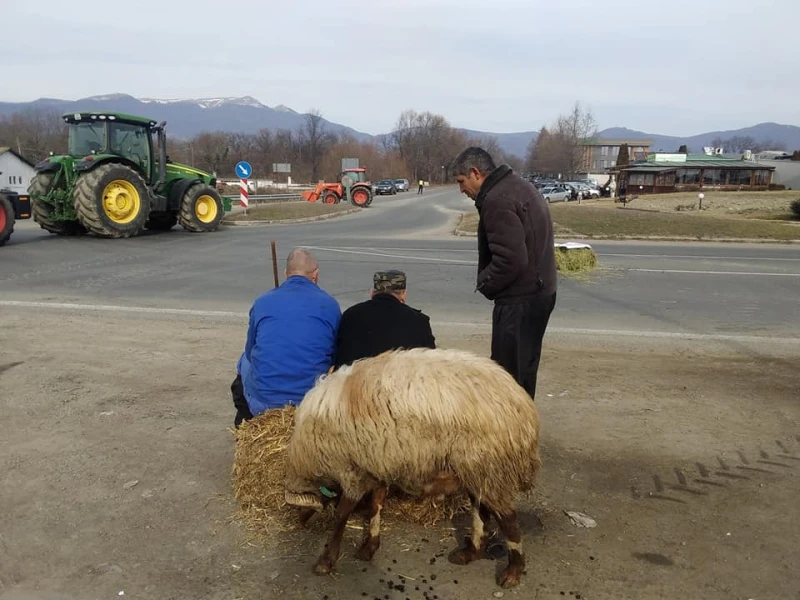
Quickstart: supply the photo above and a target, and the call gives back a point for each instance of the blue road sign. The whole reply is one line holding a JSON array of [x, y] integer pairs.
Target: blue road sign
[[243, 169]]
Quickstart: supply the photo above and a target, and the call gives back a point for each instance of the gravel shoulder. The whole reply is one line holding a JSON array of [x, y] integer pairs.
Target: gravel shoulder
[[116, 461]]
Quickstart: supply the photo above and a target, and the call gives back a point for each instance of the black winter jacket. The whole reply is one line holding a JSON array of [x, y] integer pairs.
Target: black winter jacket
[[516, 257], [380, 324]]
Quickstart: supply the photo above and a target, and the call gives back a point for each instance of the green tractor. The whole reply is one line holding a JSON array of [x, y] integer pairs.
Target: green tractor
[[116, 180]]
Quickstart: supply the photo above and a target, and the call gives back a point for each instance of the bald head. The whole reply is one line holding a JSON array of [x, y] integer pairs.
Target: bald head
[[301, 262]]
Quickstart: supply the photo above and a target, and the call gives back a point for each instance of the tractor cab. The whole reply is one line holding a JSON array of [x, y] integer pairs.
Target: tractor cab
[[138, 141], [357, 175]]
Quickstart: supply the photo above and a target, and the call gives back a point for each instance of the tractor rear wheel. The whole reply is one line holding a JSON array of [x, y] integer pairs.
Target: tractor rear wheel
[[163, 221], [43, 212], [331, 198], [112, 201], [6, 219], [361, 196], [201, 209]]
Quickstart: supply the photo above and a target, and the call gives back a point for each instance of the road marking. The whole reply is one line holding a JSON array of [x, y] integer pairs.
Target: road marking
[[712, 272], [456, 324], [437, 260], [473, 251], [731, 258]]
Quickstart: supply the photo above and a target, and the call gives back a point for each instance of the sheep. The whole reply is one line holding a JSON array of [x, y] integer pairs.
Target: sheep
[[429, 422]]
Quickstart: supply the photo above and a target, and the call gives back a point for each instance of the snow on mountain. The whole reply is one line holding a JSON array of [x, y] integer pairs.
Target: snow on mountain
[[208, 102]]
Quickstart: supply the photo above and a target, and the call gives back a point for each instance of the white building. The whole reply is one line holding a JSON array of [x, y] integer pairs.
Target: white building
[[15, 172]]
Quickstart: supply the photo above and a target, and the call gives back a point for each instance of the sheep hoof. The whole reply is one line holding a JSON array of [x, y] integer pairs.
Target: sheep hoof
[[462, 556], [510, 578], [368, 549], [324, 566]]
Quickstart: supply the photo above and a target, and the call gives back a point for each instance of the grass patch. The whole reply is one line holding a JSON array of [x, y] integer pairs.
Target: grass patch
[[609, 222], [575, 260], [468, 222], [743, 203], [288, 210]]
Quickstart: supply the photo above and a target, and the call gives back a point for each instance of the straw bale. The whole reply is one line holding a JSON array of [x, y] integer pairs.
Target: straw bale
[[259, 469], [575, 260]]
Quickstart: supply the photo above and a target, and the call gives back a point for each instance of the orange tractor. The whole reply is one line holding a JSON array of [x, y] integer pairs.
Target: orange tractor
[[353, 186]]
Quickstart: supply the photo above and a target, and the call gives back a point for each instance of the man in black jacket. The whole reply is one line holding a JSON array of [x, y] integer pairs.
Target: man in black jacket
[[516, 260], [384, 322]]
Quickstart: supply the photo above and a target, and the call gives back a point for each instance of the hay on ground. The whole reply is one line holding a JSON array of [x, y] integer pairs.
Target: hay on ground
[[259, 470], [575, 260]]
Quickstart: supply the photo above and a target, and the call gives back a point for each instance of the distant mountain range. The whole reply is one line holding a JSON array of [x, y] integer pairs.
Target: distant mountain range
[[188, 117]]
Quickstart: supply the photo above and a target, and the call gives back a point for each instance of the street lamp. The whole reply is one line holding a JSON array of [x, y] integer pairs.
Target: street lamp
[[700, 197]]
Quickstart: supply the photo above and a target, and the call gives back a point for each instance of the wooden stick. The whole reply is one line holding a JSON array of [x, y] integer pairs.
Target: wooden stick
[[274, 263]]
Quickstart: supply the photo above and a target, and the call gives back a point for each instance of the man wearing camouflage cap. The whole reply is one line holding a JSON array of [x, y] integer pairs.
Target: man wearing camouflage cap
[[384, 322]]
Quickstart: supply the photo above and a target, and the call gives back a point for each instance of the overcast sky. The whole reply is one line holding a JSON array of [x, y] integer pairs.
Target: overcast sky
[[678, 67]]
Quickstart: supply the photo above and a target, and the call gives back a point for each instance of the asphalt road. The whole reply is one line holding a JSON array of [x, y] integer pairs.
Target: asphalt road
[[730, 291]]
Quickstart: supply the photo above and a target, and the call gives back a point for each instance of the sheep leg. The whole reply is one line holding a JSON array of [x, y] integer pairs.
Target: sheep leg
[[331, 553], [372, 540], [509, 525], [475, 546]]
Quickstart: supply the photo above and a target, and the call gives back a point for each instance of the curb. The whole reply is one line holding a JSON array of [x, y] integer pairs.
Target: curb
[[261, 223], [462, 232]]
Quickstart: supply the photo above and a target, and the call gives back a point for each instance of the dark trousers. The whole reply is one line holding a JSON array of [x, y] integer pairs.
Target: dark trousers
[[239, 402], [517, 333]]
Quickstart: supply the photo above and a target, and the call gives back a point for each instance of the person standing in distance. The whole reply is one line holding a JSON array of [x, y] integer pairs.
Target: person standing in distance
[[516, 260]]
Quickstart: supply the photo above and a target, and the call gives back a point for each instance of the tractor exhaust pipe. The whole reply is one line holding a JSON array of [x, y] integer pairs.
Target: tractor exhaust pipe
[[162, 154]]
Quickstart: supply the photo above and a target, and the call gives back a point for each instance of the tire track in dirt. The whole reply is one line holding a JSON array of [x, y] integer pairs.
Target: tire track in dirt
[[783, 460]]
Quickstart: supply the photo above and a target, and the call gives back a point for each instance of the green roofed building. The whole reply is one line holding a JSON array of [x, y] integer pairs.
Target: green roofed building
[[664, 172]]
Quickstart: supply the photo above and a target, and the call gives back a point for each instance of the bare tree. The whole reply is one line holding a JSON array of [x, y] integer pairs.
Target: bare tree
[[559, 149], [316, 141], [34, 133], [573, 131], [427, 143], [210, 151]]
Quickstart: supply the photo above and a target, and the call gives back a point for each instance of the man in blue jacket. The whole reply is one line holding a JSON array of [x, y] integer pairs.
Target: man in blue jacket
[[291, 340]]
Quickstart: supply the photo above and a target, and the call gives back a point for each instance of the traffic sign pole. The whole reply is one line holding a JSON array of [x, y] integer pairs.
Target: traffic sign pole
[[244, 171], [243, 198]]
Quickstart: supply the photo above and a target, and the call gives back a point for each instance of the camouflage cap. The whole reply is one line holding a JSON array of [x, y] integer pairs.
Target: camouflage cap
[[386, 281]]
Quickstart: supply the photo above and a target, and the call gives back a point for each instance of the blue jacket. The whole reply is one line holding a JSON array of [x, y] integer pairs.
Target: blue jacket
[[291, 340]]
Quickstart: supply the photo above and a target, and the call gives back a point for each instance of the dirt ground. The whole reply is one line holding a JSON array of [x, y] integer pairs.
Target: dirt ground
[[116, 461]]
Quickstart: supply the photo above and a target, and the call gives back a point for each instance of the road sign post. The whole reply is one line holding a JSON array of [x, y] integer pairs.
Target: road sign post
[[244, 171]]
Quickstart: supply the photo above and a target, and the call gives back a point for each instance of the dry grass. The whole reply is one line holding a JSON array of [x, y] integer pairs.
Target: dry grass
[[741, 215], [258, 474], [598, 221], [575, 260], [280, 211], [468, 222], [748, 204]]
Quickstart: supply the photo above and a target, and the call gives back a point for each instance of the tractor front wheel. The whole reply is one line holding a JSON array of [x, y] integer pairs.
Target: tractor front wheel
[[331, 198], [6, 219], [201, 209], [42, 211], [112, 201], [361, 196]]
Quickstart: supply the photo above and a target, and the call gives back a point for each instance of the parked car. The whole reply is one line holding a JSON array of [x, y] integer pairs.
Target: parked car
[[385, 186], [556, 194], [582, 190], [401, 185]]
